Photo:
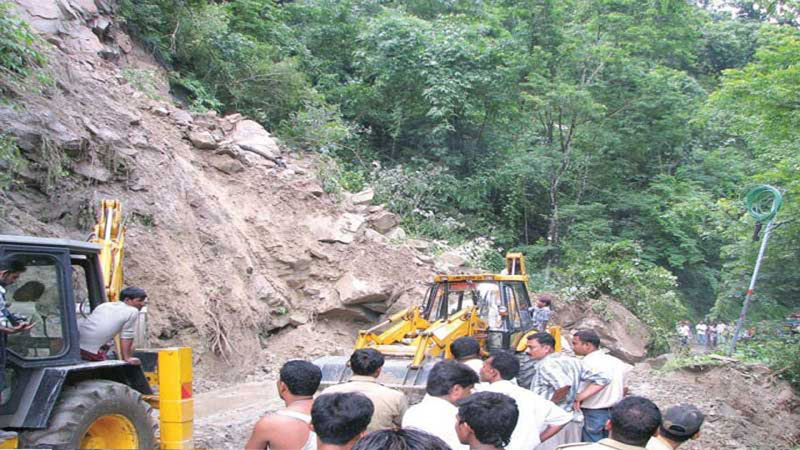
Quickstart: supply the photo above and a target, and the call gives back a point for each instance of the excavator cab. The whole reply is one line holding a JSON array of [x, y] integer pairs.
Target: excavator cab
[[492, 308], [54, 399]]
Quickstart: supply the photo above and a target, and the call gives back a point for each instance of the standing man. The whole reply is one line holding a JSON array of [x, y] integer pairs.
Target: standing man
[[681, 423], [721, 333], [108, 320], [701, 328], [340, 419], [685, 334], [448, 382], [633, 422], [540, 312], [467, 350], [597, 408], [486, 420], [558, 377], [539, 419], [287, 429], [390, 405], [10, 271]]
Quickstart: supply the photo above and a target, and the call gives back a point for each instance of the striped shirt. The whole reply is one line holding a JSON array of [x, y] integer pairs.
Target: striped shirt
[[555, 371]]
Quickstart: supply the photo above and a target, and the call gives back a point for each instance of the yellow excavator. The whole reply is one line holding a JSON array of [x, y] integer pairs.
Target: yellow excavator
[[493, 308], [54, 399]]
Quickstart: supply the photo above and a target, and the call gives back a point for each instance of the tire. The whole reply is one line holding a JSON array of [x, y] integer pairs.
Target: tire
[[97, 414]]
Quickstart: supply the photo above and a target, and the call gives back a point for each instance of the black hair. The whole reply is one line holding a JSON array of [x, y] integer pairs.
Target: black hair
[[465, 346], [491, 415], [131, 293], [446, 374], [634, 420], [12, 264], [588, 337], [505, 363], [400, 439], [340, 417], [366, 361], [546, 298], [544, 338], [301, 377]]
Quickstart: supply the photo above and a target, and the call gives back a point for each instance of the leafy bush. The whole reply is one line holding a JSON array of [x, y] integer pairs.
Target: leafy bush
[[781, 354], [617, 270], [18, 46], [11, 161]]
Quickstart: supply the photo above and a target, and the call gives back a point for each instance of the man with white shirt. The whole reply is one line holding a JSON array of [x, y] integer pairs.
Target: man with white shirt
[[467, 350], [539, 419], [596, 409], [448, 382]]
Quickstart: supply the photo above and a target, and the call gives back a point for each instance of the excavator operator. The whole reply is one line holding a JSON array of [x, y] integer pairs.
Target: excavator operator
[[109, 319]]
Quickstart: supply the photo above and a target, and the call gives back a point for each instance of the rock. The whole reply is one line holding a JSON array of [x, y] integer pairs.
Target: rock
[[383, 221], [251, 136], [297, 318], [659, 361], [451, 260], [353, 290], [328, 229], [396, 234], [202, 140], [160, 111], [417, 244], [373, 235], [181, 117], [426, 259], [229, 166], [363, 197], [93, 172], [624, 335]]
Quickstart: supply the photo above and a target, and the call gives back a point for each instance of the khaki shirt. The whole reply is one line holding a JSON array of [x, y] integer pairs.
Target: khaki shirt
[[603, 444], [390, 405]]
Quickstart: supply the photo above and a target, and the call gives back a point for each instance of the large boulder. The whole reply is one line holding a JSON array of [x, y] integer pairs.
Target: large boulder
[[383, 221], [354, 290], [330, 229], [251, 136], [622, 333]]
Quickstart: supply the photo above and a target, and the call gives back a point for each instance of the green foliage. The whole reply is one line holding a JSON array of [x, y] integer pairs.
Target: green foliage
[[142, 80], [617, 270], [11, 161], [779, 353], [19, 46]]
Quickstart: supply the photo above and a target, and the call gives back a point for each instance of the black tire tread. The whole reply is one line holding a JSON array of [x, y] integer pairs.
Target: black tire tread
[[82, 399]]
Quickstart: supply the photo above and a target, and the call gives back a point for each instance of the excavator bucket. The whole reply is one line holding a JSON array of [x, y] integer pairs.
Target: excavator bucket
[[396, 373]]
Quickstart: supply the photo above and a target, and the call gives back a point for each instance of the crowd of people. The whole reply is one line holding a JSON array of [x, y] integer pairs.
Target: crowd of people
[[570, 403], [709, 334]]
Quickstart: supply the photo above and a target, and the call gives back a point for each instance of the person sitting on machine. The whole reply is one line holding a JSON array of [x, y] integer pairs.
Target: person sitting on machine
[[109, 319]]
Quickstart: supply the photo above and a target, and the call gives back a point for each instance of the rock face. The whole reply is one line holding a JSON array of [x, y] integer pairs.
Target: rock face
[[622, 333]]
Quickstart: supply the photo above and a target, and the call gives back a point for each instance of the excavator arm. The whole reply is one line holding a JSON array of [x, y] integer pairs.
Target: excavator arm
[[109, 233]]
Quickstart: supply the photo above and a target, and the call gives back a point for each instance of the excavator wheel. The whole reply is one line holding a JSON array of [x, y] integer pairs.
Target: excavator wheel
[[97, 414]]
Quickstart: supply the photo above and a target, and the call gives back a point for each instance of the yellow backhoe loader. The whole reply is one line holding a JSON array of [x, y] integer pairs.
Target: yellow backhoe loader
[[493, 308], [53, 399]]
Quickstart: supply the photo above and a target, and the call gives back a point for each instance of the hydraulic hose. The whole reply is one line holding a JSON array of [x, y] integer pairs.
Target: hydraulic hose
[[763, 202]]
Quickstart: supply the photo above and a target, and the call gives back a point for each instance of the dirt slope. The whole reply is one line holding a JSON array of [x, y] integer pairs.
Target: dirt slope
[[221, 239]]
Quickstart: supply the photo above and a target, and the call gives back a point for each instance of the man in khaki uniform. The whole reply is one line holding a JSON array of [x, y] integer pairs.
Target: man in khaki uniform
[[634, 420], [390, 405], [681, 423]]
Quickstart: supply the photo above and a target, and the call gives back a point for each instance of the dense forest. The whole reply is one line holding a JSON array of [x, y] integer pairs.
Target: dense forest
[[612, 141]]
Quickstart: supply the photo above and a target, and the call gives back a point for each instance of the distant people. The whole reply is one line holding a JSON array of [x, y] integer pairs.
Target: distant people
[[540, 311], [486, 420], [701, 329], [722, 333], [467, 350], [557, 378], [684, 333], [108, 320], [340, 419], [539, 419], [448, 382], [634, 420], [287, 429], [596, 409], [400, 439], [711, 335], [680, 424], [390, 405], [10, 271]]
